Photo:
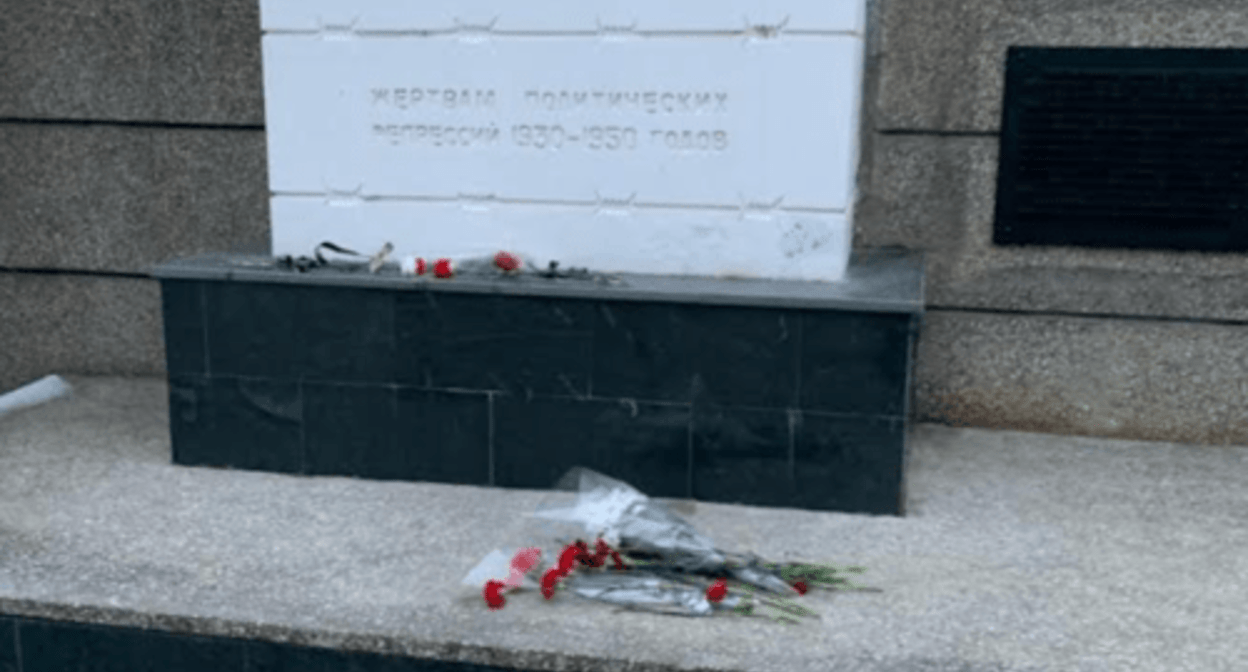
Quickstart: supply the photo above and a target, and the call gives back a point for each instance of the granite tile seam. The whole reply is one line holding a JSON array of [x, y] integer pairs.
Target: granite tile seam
[[696, 406]]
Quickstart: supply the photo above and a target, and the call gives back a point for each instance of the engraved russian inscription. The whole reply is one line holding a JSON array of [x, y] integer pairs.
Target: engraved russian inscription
[[714, 143], [686, 139], [436, 135], [650, 102], [415, 97], [541, 136], [552, 134]]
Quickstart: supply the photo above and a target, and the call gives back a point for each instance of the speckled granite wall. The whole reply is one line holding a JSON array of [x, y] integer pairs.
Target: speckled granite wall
[[178, 167], [1086, 376], [82, 324], [174, 61], [1061, 340], [118, 198], [132, 132]]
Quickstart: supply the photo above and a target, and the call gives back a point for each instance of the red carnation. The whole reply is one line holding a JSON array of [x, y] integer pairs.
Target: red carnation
[[549, 580], [420, 266], [801, 587], [506, 261], [601, 551], [582, 554], [442, 268], [567, 559], [493, 595], [717, 590]]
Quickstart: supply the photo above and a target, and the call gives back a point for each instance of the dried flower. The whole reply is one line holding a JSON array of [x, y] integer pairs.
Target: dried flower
[[601, 551], [584, 556]]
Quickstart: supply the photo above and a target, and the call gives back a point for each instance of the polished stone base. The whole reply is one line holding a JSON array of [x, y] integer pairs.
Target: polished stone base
[[41, 644], [755, 392]]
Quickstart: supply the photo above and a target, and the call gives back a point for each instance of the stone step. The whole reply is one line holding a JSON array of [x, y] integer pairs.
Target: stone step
[[1020, 552]]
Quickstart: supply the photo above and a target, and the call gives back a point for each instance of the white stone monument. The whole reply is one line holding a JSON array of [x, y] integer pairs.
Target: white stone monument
[[692, 137]]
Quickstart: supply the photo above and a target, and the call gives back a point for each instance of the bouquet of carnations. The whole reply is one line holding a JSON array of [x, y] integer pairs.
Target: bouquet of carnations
[[658, 561]]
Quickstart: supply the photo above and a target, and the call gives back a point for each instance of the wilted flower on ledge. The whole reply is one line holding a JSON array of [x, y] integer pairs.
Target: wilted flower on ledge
[[446, 267], [506, 261]]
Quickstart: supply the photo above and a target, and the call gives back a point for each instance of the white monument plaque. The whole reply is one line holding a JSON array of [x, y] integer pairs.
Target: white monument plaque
[[696, 137]]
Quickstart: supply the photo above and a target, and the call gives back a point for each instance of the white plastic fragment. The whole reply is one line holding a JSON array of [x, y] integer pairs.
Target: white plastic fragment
[[32, 394], [496, 567], [412, 265], [599, 514]]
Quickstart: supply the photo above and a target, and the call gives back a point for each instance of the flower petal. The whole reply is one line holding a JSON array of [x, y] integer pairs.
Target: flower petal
[[717, 591], [569, 557], [493, 595], [526, 559], [549, 580]]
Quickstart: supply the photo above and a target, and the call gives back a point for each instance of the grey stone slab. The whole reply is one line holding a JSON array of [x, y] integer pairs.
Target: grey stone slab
[[1161, 381], [1021, 552], [179, 61], [938, 194], [884, 280], [121, 198], [942, 66], [78, 324]]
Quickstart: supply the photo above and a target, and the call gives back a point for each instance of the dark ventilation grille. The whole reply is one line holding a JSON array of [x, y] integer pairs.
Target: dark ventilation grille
[[1126, 148]]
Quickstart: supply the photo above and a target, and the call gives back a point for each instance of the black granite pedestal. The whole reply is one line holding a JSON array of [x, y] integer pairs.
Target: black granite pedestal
[[769, 393]]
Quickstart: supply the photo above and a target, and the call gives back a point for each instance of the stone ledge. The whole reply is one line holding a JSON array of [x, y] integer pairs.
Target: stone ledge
[[883, 280]]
